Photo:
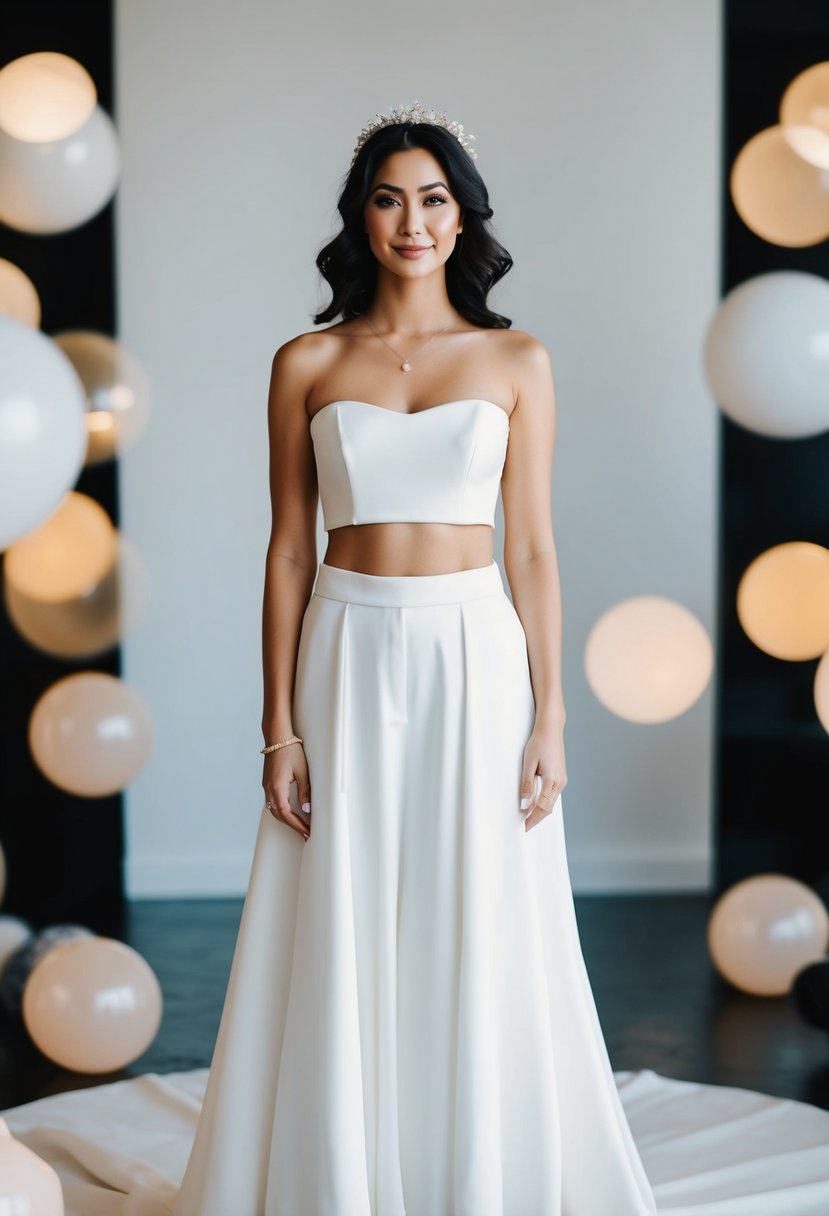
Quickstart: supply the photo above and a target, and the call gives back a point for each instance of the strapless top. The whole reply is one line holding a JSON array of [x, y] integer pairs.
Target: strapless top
[[439, 465]]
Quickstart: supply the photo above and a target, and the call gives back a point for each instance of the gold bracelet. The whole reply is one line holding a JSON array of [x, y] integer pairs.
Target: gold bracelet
[[271, 747]]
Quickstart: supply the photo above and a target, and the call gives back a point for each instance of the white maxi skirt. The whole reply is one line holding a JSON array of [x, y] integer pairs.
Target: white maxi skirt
[[409, 1028]]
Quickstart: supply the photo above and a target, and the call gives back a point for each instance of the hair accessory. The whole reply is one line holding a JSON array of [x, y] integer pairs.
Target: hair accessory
[[415, 112]]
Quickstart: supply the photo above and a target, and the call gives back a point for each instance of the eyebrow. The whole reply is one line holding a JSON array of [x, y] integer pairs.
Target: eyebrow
[[399, 189]]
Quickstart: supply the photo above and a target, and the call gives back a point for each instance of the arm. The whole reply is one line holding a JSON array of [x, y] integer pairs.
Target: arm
[[291, 560], [530, 560], [290, 567]]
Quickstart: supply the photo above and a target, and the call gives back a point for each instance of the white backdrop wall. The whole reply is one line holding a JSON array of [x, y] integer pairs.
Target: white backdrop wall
[[597, 130]]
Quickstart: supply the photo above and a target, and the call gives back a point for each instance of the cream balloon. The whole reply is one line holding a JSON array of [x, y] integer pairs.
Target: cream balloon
[[821, 691], [783, 601], [14, 933], [804, 113], [45, 96], [648, 659], [766, 354], [764, 930], [88, 624], [42, 428], [57, 186], [29, 1186], [90, 734], [18, 295], [117, 390], [779, 195], [92, 1005], [66, 556]]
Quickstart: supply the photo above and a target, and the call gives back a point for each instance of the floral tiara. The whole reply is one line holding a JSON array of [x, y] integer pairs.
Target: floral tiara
[[415, 113]]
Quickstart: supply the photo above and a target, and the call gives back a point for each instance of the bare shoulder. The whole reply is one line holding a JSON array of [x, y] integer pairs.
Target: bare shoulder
[[298, 362], [304, 352], [532, 371], [526, 351]]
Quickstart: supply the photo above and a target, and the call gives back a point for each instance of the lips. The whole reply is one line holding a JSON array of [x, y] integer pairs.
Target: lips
[[412, 252]]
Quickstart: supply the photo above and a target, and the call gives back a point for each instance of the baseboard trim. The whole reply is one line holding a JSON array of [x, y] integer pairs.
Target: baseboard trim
[[206, 876]]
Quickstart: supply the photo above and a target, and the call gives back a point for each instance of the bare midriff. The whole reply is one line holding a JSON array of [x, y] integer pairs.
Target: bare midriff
[[409, 548]]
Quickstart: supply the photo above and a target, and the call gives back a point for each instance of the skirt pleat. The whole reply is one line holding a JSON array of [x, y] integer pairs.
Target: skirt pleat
[[409, 1028]]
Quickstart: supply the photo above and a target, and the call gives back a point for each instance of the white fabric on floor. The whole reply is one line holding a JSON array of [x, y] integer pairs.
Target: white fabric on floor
[[120, 1149]]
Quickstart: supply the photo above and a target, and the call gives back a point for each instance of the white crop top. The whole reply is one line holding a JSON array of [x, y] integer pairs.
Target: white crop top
[[439, 465]]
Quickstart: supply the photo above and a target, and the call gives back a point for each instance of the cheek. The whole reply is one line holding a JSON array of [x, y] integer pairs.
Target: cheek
[[445, 224]]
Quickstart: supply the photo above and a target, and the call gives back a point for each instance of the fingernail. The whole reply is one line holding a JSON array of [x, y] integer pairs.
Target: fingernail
[[306, 806], [525, 802]]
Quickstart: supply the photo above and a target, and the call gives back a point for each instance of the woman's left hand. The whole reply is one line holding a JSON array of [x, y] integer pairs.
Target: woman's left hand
[[543, 754]]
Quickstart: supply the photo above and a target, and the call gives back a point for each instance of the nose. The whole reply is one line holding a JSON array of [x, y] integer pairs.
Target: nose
[[409, 225]]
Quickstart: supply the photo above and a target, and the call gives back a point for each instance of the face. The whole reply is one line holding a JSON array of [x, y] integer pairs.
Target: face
[[410, 203]]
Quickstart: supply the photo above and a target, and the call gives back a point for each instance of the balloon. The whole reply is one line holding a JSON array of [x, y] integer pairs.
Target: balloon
[[764, 930], [648, 659], [783, 600], [90, 734], [18, 295], [810, 993], [87, 624], [57, 186], [93, 1005], [804, 111], [65, 556], [42, 428], [20, 962], [765, 354], [45, 96], [821, 695], [29, 1186], [117, 389], [777, 193], [14, 933]]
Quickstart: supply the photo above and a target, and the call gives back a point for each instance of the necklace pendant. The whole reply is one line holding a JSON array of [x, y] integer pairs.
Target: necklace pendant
[[406, 365]]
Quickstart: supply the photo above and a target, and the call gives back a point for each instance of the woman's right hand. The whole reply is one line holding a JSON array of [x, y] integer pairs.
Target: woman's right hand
[[283, 766]]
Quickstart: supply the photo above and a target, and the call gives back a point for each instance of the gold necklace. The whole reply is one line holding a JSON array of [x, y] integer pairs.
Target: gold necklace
[[406, 366]]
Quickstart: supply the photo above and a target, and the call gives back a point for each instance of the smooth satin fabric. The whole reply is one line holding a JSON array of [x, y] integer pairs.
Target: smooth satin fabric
[[710, 1150], [440, 465], [409, 1029]]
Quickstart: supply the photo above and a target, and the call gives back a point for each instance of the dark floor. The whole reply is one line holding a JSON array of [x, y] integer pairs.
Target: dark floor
[[661, 1004]]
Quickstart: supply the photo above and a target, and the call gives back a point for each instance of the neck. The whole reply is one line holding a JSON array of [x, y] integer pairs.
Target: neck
[[412, 308]]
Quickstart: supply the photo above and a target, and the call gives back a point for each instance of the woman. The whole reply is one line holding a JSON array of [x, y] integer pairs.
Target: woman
[[409, 1027]]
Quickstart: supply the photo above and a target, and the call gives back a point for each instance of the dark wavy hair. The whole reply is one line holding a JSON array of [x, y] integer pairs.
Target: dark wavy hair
[[476, 263]]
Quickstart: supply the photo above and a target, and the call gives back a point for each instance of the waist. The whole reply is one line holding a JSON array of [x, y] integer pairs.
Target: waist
[[355, 586], [409, 548]]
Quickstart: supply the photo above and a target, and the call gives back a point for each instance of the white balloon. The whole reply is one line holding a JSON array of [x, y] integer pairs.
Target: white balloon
[[14, 933], [42, 428], [767, 354], [57, 186]]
